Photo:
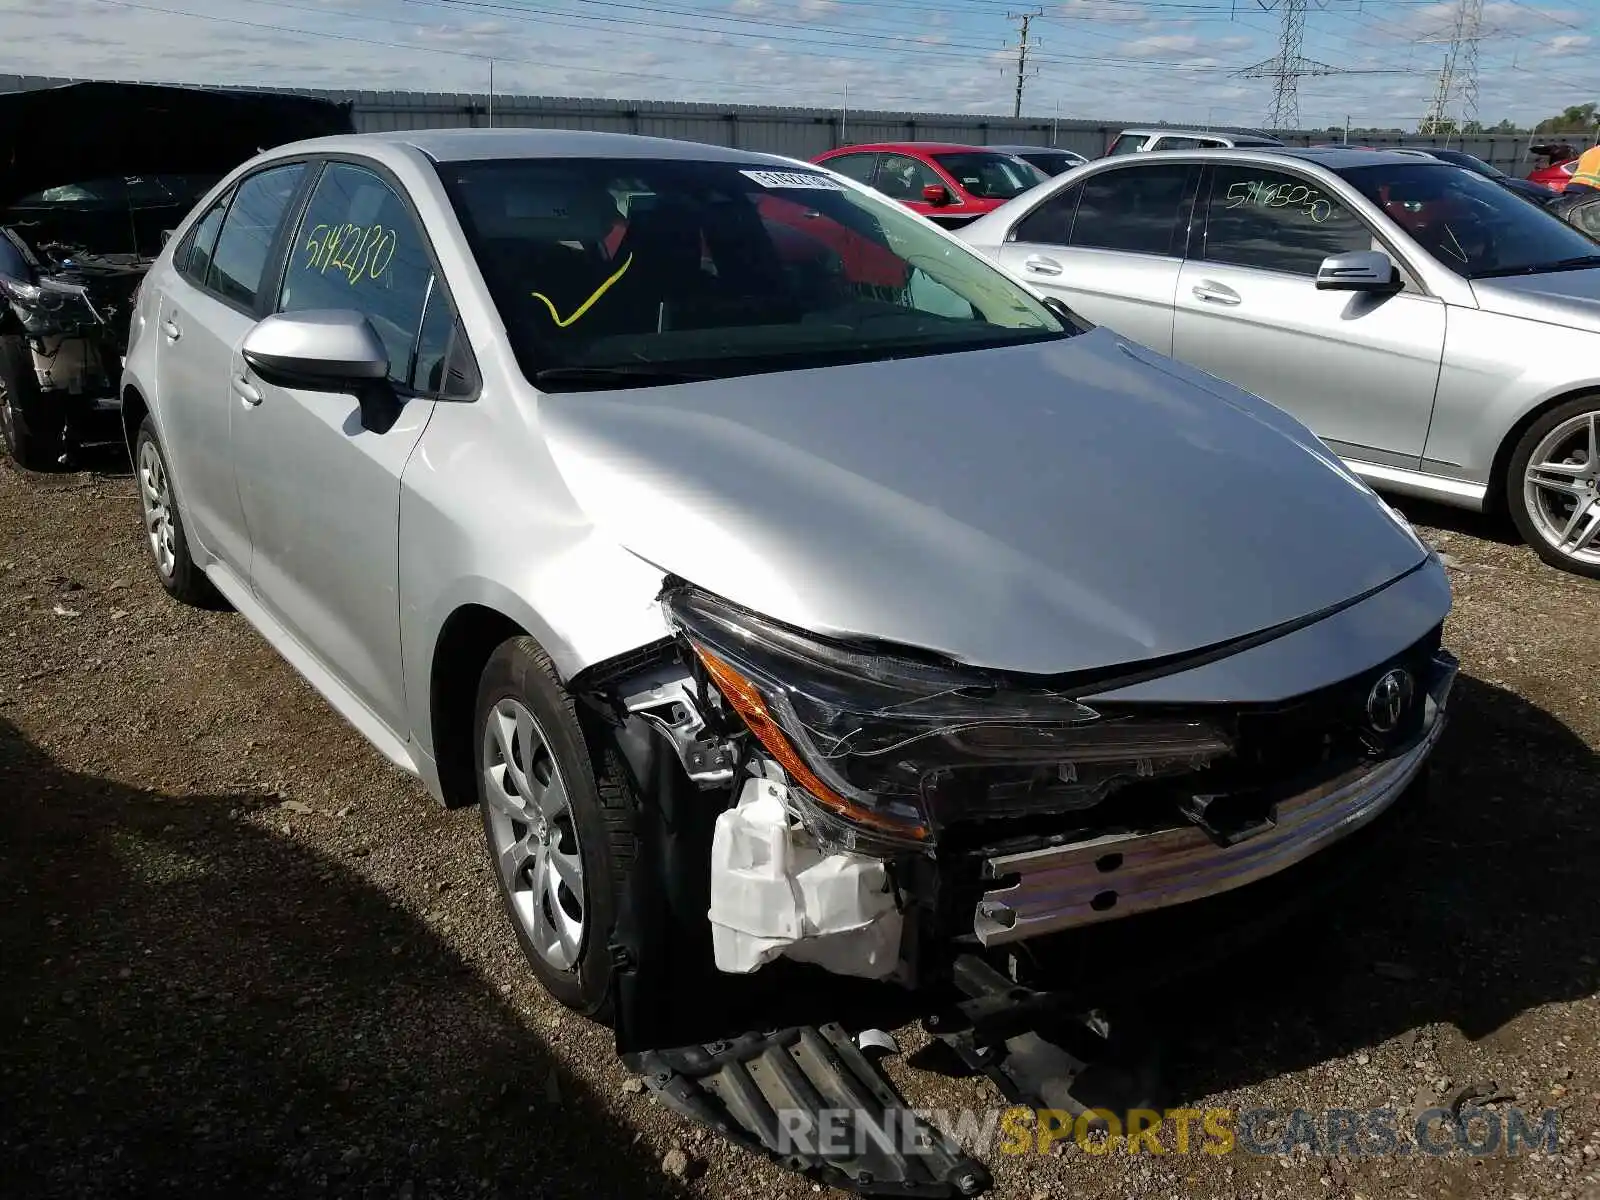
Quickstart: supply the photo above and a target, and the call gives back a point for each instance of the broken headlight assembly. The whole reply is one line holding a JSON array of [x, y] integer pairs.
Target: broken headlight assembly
[[885, 751], [48, 306]]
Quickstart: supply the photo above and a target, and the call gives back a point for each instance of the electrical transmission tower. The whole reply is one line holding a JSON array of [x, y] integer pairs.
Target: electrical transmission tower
[[1288, 66], [1022, 48], [1458, 78]]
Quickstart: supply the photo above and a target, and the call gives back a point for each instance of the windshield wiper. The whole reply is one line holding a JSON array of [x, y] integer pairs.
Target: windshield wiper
[[598, 378], [1561, 264]]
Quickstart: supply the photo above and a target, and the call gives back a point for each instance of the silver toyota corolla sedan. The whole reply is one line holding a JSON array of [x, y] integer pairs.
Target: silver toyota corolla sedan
[[780, 578], [1439, 333]]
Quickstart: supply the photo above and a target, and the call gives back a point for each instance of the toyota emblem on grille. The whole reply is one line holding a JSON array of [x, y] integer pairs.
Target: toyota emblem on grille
[[1388, 701]]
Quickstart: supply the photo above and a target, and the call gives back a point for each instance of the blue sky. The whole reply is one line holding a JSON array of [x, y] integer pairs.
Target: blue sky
[[1116, 60]]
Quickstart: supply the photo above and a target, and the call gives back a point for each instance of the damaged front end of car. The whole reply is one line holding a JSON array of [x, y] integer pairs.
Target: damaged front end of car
[[891, 817]]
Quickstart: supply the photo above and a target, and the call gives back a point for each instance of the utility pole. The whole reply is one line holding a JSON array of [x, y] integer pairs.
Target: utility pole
[[1022, 47]]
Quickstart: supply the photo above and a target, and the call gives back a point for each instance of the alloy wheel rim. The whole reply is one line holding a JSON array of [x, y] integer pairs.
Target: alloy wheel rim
[[1561, 488], [156, 498], [532, 834]]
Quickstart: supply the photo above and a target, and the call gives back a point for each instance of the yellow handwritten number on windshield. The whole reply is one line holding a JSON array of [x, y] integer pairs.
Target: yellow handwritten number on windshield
[[587, 304]]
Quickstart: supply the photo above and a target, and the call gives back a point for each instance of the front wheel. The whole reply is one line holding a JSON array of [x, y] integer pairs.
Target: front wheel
[[1553, 486], [30, 427], [560, 833]]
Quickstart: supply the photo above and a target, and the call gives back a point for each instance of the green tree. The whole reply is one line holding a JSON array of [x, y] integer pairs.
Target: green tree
[[1575, 118]]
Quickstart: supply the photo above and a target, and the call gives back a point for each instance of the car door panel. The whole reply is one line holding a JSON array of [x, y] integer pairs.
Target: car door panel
[[202, 318], [1128, 293], [199, 335], [1111, 248], [1360, 369], [321, 491]]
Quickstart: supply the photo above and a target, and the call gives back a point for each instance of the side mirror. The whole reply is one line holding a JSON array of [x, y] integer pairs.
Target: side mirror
[[1358, 271], [328, 350], [166, 235], [936, 195]]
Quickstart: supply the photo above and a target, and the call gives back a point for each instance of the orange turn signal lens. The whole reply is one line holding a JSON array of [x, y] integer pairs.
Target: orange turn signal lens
[[751, 706]]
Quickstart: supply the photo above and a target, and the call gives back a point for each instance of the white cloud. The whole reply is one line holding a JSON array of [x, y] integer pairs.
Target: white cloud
[[1154, 45]]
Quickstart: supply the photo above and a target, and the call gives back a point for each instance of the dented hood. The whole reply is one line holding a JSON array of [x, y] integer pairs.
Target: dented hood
[[82, 131], [1050, 508]]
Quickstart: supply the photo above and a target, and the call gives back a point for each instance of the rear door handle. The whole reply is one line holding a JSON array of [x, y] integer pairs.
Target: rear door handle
[[171, 329], [1038, 264], [246, 391], [1215, 293]]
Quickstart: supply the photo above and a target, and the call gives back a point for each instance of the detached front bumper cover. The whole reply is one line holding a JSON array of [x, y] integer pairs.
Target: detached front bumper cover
[[1107, 878]]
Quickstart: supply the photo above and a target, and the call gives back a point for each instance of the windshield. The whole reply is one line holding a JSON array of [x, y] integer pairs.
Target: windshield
[[121, 192], [1460, 158], [654, 269], [1469, 223], [1128, 143], [1051, 162], [991, 176]]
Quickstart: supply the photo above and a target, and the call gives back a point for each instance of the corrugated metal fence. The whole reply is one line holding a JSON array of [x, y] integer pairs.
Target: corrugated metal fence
[[797, 132]]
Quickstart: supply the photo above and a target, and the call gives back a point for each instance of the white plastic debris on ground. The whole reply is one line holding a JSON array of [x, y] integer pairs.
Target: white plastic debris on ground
[[774, 893]]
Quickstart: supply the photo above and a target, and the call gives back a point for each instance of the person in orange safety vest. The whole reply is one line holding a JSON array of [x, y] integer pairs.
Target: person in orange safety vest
[[1586, 175]]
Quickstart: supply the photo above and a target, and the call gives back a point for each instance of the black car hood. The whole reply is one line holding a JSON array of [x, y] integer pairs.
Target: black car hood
[[80, 131]]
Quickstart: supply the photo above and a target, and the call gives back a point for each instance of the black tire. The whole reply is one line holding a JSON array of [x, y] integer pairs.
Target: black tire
[[1516, 471], [185, 582], [30, 427], [602, 809]]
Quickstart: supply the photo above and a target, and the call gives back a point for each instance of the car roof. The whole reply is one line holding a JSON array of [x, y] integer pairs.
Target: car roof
[[1022, 148], [1255, 139], [467, 145], [915, 148]]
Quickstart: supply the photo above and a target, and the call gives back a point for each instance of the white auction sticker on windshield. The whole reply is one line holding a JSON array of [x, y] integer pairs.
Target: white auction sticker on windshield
[[793, 179]]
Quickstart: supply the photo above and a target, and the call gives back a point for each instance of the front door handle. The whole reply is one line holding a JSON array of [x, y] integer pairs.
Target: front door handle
[[1038, 264], [171, 329], [246, 391], [1215, 293]]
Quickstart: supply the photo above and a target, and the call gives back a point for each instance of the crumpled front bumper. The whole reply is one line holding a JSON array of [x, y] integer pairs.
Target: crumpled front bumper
[[1065, 887]]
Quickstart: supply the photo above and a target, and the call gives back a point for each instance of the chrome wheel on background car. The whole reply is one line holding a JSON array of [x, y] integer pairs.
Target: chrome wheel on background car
[[1555, 486], [155, 497], [532, 834]]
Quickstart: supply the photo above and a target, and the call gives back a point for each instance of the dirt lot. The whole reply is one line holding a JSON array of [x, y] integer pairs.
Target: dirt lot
[[240, 953]]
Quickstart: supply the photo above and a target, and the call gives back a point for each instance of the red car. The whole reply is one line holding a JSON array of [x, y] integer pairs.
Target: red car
[[950, 184], [1556, 176]]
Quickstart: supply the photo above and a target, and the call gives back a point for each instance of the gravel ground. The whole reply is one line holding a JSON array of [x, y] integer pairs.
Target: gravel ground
[[240, 953]]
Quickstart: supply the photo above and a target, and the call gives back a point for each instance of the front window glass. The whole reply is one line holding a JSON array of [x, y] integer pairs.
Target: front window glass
[[1471, 224], [990, 176], [901, 177], [1277, 222], [719, 269], [359, 248], [1128, 143]]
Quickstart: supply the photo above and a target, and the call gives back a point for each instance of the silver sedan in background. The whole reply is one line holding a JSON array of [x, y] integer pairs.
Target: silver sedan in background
[[1437, 332]]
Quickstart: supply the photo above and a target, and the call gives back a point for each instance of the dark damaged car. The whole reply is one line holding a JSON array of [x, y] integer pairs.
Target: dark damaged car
[[810, 609], [92, 178]]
